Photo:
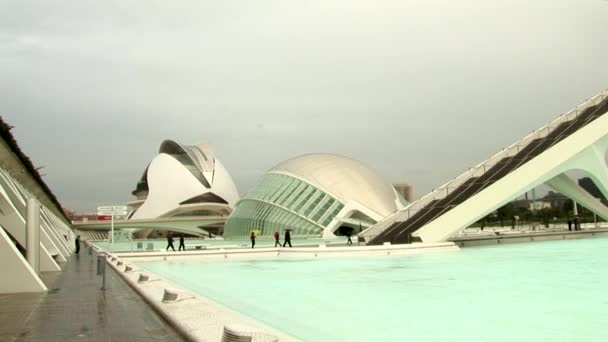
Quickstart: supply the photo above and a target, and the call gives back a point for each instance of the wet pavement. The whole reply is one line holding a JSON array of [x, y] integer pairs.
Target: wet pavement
[[76, 309]]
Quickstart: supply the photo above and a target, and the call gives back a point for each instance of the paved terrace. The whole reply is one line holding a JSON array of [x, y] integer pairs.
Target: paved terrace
[[494, 235], [75, 309]]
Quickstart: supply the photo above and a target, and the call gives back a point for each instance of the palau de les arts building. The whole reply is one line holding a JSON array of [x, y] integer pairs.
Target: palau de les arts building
[[313, 195], [184, 181]]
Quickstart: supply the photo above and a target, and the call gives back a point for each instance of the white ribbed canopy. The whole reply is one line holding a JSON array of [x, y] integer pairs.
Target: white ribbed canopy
[[346, 179]]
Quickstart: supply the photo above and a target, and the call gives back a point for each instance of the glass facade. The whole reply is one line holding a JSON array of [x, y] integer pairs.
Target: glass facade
[[279, 202]]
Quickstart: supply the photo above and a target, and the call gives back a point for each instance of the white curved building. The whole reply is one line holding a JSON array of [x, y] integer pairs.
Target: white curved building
[[315, 195], [184, 181]]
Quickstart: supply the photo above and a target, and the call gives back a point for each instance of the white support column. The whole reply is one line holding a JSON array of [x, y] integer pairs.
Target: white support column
[[569, 188], [47, 263], [19, 276], [593, 161], [58, 240], [50, 246], [32, 234]]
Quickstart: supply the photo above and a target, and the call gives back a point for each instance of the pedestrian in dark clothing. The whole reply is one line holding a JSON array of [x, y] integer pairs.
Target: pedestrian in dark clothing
[[276, 239], [349, 241], [252, 237], [181, 243], [577, 223], [170, 241], [77, 243], [570, 225], [287, 238]]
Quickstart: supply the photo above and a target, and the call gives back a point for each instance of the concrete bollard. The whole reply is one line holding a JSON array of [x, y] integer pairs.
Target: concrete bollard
[[236, 334], [243, 333], [170, 296], [143, 278]]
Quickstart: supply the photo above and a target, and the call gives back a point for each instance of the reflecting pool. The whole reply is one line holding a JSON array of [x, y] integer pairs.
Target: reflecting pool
[[545, 291]]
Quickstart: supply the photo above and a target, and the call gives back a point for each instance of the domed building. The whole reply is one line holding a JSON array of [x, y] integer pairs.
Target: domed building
[[184, 181], [315, 195]]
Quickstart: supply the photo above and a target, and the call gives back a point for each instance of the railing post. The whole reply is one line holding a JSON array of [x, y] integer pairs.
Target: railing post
[[101, 268]]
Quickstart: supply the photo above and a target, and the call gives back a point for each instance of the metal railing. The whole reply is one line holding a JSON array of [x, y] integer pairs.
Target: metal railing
[[478, 170]]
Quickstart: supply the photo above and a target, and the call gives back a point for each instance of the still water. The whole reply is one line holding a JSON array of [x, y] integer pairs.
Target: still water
[[545, 291]]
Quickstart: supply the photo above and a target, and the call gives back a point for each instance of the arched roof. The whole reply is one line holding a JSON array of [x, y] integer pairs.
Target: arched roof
[[346, 179], [201, 156]]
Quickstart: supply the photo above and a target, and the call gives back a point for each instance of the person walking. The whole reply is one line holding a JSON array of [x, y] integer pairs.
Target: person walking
[[170, 241], [577, 223], [252, 237], [287, 238], [181, 243], [77, 244], [349, 242], [276, 239], [569, 224]]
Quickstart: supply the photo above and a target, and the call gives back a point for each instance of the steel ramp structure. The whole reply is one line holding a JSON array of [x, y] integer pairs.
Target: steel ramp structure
[[576, 140]]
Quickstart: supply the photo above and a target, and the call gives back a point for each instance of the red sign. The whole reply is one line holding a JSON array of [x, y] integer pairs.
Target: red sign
[[104, 217]]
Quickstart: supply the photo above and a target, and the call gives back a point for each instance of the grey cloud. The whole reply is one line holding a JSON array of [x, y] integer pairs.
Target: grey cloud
[[420, 90]]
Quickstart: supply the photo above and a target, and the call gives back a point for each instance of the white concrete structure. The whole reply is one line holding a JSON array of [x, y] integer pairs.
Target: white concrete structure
[[182, 224], [576, 140], [44, 238], [184, 181], [315, 195]]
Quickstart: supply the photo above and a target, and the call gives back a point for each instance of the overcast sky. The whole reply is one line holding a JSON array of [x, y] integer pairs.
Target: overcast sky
[[419, 90]]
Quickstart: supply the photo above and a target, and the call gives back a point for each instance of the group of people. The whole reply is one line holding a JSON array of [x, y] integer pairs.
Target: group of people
[[182, 246], [277, 236], [170, 242], [576, 222]]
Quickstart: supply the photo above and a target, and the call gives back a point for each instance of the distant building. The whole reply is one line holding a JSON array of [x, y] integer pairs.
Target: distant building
[[405, 190], [80, 217], [86, 217], [555, 199]]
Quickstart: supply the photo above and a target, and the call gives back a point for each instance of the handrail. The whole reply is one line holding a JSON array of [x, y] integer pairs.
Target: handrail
[[445, 189]]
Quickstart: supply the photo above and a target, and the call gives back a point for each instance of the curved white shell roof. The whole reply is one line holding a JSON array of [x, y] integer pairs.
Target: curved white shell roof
[[181, 172], [344, 178]]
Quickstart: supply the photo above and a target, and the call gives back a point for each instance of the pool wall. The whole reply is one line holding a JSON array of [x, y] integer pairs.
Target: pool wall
[[298, 252]]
